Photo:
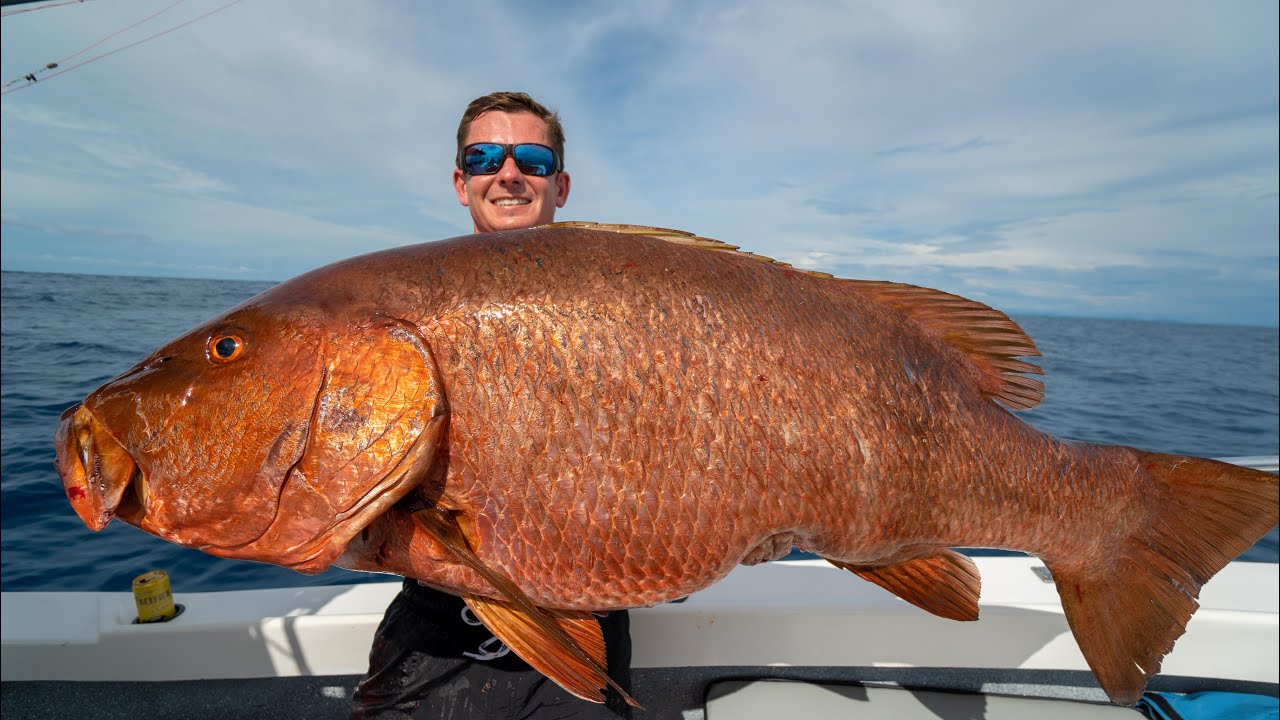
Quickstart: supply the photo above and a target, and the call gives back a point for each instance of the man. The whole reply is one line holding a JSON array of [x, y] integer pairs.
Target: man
[[510, 199], [431, 658]]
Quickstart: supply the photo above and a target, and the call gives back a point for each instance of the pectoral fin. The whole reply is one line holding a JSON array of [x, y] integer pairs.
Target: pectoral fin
[[945, 583], [524, 634], [566, 647]]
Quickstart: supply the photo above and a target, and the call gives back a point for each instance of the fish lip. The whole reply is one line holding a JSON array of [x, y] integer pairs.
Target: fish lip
[[99, 475]]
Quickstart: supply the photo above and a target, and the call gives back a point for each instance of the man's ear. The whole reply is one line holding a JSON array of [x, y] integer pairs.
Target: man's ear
[[562, 188], [460, 186]]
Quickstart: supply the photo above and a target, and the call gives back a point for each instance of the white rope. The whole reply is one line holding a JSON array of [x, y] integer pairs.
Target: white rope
[[487, 649]]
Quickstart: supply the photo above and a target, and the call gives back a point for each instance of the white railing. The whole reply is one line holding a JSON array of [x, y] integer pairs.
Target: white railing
[[1268, 463]]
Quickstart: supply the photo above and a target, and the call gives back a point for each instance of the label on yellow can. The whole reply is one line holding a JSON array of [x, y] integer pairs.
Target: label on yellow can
[[153, 597]]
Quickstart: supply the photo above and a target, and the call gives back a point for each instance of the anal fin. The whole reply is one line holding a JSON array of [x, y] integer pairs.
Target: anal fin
[[945, 583]]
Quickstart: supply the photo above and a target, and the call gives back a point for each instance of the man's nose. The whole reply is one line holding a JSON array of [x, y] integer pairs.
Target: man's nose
[[509, 172]]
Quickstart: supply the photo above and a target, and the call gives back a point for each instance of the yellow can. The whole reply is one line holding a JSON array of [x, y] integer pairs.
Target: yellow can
[[153, 597]]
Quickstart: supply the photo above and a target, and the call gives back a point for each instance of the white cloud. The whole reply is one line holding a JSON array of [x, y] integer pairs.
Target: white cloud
[[46, 118], [923, 138], [141, 165]]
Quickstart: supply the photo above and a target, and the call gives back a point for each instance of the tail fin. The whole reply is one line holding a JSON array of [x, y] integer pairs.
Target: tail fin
[[1127, 616]]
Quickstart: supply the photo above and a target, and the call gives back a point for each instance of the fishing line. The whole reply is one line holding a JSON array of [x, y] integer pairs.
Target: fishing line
[[130, 27], [7, 13], [31, 79]]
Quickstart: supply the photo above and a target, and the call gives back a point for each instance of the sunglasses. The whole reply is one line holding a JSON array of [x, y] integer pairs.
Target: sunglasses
[[487, 158]]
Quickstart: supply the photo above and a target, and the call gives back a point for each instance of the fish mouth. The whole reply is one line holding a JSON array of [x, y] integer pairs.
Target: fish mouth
[[100, 477]]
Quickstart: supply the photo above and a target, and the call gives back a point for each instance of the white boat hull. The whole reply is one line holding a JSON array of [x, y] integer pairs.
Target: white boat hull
[[791, 613]]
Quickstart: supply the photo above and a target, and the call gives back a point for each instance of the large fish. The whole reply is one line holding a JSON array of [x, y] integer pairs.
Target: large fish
[[569, 419]]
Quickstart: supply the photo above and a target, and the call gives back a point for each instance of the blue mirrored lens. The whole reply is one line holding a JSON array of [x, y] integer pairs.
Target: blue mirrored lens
[[482, 158], [535, 160]]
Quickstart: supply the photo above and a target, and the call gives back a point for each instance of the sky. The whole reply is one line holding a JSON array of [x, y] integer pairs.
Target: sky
[[1096, 159]]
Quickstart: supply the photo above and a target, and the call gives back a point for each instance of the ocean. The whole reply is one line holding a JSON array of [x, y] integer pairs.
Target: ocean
[[1192, 389]]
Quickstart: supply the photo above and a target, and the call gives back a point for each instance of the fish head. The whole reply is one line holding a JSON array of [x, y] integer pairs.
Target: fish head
[[273, 433]]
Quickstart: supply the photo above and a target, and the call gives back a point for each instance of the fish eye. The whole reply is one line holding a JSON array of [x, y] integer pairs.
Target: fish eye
[[225, 347]]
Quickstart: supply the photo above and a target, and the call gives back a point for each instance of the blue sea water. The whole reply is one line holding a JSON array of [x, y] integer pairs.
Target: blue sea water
[[1190, 389]]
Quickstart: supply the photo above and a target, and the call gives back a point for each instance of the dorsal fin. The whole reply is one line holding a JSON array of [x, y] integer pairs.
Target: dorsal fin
[[680, 237], [990, 339], [987, 336]]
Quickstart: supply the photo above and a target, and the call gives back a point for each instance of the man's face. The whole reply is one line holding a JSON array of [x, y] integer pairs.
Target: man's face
[[510, 199]]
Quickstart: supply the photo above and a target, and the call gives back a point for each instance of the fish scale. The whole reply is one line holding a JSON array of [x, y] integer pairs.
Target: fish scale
[[724, 392], [569, 419]]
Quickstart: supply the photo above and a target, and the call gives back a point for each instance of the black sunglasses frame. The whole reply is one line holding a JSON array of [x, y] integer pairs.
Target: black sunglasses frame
[[509, 151]]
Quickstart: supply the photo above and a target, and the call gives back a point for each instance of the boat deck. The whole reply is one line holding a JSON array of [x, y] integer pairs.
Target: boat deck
[[676, 693]]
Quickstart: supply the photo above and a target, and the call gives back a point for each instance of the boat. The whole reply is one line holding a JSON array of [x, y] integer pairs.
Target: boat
[[795, 633]]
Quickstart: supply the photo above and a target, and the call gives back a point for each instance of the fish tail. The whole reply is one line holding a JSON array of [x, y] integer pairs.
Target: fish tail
[[1126, 613]]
